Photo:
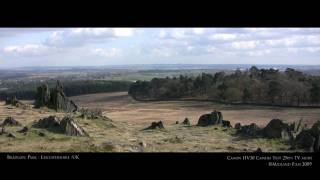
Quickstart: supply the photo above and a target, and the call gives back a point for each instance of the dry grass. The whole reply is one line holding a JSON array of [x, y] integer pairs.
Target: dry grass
[[124, 132]]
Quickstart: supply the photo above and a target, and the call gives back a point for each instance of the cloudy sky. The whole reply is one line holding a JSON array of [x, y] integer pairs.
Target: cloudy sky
[[118, 46]]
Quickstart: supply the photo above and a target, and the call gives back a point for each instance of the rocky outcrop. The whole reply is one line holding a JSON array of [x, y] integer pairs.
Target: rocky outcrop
[[276, 128], [66, 126], [55, 99], [10, 121], [155, 125], [210, 119], [70, 128], [42, 96], [309, 140]]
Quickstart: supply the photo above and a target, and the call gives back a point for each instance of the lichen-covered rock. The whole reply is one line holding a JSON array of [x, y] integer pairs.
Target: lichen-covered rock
[[70, 128], [11, 122], [210, 119], [277, 129], [155, 125]]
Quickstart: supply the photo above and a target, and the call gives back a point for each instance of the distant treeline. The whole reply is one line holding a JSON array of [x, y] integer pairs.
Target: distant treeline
[[27, 90], [253, 86]]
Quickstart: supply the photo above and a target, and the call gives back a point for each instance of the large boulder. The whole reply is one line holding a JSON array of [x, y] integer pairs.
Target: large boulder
[[70, 128], [277, 129], [210, 119], [11, 122], [66, 126], [51, 123]]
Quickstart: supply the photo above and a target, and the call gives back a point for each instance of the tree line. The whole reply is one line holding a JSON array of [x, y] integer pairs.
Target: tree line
[[27, 90], [252, 86]]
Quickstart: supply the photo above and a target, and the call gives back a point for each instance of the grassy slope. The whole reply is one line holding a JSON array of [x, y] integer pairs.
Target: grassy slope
[[107, 135]]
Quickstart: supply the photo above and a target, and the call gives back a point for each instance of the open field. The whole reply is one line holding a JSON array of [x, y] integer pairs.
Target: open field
[[122, 130], [121, 107]]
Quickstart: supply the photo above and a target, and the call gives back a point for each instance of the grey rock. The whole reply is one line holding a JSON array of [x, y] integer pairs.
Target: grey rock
[[11, 122], [155, 125], [23, 130], [210, 119], [186, 121]]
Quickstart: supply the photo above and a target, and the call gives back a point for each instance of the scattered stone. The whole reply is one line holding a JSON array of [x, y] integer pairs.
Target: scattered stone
[[237, 126], [225, 129], [50, 123], [90, 113], [23, 130], [249, 130], [259, 150], [155, 125], [277, 129], [143, 144], [309, 140], [177, 122], [305, 141], [42, 134], [12, 101], [215, 128], [3, 130], [71, 128], [210, 119], [11, 122], [226, 124], [11, 135], [186, 122]]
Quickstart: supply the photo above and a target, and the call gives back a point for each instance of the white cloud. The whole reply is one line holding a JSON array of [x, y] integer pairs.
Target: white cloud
[[28, 50], [81, 36], [123, 32], [223, 36], [198, 31], [108, 53], [243, 45], [259, 52]]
